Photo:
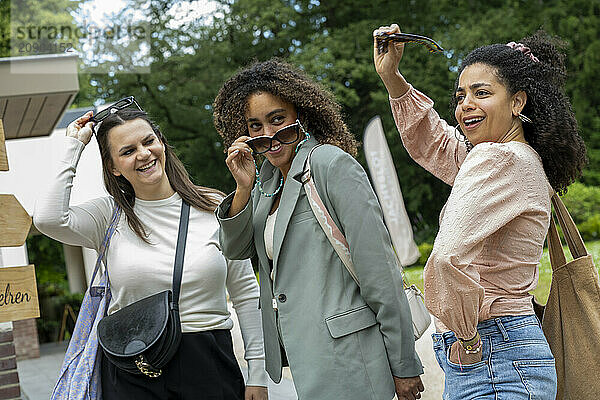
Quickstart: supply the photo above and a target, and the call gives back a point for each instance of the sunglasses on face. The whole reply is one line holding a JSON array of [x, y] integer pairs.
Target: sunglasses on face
[[119, 105], [286, 135], [383, 39]]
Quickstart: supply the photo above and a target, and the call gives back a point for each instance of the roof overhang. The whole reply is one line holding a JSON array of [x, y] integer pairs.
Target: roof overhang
[[35, 92]]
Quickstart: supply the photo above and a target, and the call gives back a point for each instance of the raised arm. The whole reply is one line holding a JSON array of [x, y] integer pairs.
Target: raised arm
[[82, 225], [236, 235], [429, 140]]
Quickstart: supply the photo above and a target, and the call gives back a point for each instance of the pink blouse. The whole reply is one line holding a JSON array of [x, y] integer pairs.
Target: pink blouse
[[492, 228]]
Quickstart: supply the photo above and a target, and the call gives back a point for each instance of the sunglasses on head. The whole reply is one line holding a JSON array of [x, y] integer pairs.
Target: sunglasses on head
[[119, 105], [286, 135]]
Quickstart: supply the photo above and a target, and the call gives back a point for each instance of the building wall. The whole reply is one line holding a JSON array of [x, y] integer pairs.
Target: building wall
[[26, 339], [9, 377], [26, 344], [32, 162]]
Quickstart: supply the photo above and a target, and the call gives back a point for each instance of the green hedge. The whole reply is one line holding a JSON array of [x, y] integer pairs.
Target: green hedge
[[583, 203], [53, 287], [425, 250]]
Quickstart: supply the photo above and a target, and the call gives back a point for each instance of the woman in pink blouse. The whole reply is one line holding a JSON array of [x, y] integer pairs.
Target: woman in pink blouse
[[516, 142]]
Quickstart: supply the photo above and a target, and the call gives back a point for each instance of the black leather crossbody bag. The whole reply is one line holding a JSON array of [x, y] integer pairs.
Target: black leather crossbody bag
[[143, 336]]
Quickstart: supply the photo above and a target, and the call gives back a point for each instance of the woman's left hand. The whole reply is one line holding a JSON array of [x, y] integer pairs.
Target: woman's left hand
[[457, 351], [256, 393]]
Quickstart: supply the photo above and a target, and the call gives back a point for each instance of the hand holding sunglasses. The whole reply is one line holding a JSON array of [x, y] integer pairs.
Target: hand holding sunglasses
[[81, 128], [286, 135], [384, 38]]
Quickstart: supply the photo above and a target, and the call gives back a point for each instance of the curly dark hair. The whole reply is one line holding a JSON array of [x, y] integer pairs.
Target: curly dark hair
[[554, 133], [317, 109]]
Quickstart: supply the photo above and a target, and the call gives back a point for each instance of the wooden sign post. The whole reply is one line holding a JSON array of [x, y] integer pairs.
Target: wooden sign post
[[14, 222], [3, 158], [18, 294], [18, 289]]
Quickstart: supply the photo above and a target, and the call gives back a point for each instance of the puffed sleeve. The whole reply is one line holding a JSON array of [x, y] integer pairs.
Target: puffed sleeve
[[489, 191], [428, 139]]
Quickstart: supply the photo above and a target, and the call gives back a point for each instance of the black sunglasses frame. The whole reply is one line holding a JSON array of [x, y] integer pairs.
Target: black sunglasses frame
[[298, 126], [383, 40], [119, 105]]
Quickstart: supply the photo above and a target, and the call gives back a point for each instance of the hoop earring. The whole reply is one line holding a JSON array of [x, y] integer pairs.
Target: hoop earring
[[458, 134], [524, 118], [461, 137]]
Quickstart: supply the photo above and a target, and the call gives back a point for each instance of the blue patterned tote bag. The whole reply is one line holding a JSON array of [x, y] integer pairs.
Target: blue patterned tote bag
[[79, 377]]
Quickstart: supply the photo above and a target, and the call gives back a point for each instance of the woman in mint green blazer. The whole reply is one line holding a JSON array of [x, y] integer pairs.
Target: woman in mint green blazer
[[341, 341]]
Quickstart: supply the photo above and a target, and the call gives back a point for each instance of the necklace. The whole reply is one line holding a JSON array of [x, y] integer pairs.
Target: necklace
[[259, 183]]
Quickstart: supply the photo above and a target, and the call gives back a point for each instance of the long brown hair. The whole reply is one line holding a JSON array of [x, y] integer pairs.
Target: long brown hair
[[121, 190]]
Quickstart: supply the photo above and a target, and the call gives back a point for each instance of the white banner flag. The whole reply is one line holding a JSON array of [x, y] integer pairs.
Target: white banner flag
[[385, 181]]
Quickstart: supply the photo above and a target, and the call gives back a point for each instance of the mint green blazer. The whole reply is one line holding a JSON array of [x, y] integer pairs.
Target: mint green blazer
[[341, 341]]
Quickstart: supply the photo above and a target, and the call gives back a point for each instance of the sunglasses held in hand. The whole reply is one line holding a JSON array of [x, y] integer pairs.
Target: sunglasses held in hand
[[286, 135], [383, 40]]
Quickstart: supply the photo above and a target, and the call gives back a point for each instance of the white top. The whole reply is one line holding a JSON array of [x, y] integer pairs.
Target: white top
[[269, 233], [138, 269]]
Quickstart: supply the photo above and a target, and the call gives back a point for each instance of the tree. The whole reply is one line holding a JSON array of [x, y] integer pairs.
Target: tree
[[41, 28], [332, 41]]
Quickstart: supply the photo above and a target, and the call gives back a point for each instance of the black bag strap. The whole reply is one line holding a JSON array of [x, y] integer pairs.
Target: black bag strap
[[180, 252]]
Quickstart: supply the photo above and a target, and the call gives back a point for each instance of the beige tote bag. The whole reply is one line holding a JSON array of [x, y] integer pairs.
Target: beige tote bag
[[571, 319]]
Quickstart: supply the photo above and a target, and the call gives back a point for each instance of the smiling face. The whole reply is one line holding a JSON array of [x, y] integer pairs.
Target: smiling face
[[485, 110], [138, 155], [267, 114]]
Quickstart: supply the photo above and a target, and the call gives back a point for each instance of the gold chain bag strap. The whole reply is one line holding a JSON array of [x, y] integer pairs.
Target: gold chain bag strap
[[143, 337], [420, 316]]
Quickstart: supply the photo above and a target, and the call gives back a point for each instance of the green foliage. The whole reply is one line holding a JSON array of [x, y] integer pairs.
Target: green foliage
[[332, 41], [31, 27], [425, 250], [590, 229], [4, 28], [583, 203], [53, 289]]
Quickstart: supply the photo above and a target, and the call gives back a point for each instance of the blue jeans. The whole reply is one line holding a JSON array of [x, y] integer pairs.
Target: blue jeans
[[516, 363]]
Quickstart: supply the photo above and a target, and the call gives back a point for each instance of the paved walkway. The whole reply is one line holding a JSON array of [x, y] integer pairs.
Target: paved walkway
[[38, 376]]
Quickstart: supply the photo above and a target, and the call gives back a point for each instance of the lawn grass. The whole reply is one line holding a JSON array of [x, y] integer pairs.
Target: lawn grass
[[414, 275]]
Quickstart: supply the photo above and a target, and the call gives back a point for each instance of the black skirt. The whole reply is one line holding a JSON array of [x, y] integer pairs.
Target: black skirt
[[204, 368]]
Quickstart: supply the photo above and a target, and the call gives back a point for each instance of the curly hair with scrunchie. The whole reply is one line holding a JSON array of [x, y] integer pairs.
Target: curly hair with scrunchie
[[553, 133]]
